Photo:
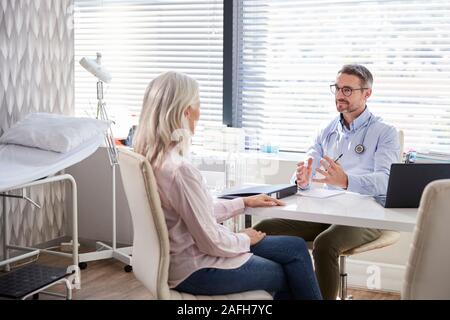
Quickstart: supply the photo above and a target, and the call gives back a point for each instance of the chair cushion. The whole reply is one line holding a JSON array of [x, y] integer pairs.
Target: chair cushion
[[247, 295], [387, 238]]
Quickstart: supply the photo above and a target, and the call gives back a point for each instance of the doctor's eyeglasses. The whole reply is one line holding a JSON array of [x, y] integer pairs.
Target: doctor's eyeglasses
[[346, 91]]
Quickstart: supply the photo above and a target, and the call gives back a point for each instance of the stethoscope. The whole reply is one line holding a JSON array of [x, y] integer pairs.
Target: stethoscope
[[359, 148]]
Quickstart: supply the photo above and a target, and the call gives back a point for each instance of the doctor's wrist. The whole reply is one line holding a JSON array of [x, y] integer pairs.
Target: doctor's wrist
[[345, 183], [305, 187]]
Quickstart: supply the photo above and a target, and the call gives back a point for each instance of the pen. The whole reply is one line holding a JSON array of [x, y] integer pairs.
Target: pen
[[340, 156]]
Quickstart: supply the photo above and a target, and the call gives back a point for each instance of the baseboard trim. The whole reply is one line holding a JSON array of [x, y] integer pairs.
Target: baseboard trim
[[375, 276]]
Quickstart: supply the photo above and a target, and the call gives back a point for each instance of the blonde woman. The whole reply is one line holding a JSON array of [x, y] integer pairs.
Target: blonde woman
[[206, 258]]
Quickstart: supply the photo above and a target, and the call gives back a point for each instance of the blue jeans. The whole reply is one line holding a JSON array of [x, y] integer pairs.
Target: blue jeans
[[280, 264]]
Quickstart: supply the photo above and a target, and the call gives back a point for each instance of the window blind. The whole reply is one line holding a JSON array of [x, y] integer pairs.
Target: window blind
[[289, 52], [139, 40]]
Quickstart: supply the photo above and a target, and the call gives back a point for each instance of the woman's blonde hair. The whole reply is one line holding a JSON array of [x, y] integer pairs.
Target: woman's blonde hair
[[162, 123]]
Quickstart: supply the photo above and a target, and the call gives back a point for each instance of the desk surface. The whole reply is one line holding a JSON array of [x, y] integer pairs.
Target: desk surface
[[344, 209]]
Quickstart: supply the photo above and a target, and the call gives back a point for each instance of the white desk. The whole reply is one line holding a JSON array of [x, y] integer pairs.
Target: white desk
[[345, 209]]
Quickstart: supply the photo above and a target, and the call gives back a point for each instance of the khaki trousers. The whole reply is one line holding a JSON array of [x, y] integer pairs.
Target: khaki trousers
[[329, 242]]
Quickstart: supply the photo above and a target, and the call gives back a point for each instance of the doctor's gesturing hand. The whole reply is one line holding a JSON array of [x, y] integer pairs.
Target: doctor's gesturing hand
[[304, 173], [333, 174]]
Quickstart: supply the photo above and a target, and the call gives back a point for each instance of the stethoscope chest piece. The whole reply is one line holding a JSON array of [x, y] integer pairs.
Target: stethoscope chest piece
[[359, 149]]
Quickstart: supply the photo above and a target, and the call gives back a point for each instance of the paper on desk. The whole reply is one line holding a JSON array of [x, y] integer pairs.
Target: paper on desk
[[359, 194], [320, 193]]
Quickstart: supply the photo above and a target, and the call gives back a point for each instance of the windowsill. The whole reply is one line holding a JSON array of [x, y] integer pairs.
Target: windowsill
[[198, 151]]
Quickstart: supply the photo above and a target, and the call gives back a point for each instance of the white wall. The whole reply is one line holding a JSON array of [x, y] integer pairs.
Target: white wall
[[94, 182]]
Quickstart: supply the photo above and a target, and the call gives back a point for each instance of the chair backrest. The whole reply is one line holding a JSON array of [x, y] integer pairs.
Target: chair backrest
[[401, 138], [428, 268], [150, 257]]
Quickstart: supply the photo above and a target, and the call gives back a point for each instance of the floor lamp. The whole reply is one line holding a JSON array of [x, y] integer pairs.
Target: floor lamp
[[96, 68]]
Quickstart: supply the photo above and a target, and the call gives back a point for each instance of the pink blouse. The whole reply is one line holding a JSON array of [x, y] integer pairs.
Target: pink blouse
[[197, 239]]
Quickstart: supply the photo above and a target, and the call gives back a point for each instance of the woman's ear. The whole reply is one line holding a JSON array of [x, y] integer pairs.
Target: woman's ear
[[187, 111]]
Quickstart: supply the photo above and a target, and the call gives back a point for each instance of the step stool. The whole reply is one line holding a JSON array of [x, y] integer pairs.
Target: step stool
[[33, 279]]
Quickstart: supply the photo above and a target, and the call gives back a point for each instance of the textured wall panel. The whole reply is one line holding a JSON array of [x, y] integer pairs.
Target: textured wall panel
[[36, 75]]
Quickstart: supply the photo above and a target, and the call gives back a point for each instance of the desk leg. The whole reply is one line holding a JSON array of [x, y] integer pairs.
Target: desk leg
[[248, 221]]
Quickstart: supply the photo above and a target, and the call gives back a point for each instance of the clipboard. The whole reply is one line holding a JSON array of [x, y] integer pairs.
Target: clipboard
[[277, 191]]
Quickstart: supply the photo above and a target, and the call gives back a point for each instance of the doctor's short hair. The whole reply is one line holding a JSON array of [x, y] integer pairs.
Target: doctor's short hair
[[364, 75]]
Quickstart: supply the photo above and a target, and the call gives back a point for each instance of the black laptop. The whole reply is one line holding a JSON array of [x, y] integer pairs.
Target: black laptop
[[407, 182]]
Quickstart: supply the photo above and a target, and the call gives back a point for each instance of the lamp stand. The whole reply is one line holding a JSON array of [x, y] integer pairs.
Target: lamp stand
[[106, 251]]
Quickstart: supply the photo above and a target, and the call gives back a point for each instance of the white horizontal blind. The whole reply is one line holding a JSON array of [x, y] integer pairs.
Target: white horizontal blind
[[141, 39], [291, 50]]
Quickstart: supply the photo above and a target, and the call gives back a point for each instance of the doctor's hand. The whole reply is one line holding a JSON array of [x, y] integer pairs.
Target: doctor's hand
[[261, 200], [333, 174], [255, 236], [304, 173]]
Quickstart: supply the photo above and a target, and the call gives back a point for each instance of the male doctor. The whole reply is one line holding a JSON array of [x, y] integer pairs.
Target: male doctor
[[353, 152]]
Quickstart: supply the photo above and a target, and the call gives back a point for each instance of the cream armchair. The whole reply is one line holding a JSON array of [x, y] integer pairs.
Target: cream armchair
[[150, 256], [428, 269]]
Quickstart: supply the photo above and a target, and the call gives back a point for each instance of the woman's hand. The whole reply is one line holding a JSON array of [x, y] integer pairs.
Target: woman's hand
[[255, 236], [261, 200]]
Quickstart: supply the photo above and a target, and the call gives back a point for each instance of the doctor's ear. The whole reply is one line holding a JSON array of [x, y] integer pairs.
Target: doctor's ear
[[368, 93]]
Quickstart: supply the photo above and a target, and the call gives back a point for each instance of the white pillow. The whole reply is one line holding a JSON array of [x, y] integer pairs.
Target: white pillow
[[53, 132]]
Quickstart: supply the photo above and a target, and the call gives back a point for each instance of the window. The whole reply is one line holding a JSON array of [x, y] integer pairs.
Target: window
[[140, 39], [290, 51]]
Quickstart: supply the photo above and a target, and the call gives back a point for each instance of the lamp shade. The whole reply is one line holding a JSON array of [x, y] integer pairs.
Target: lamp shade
[[95, 68]]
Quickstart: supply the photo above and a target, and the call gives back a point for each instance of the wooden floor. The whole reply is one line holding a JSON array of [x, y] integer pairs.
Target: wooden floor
[[106, 279], [359, 294]]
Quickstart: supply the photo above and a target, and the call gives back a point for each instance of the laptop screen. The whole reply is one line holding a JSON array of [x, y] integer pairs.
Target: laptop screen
[[407, 182]]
